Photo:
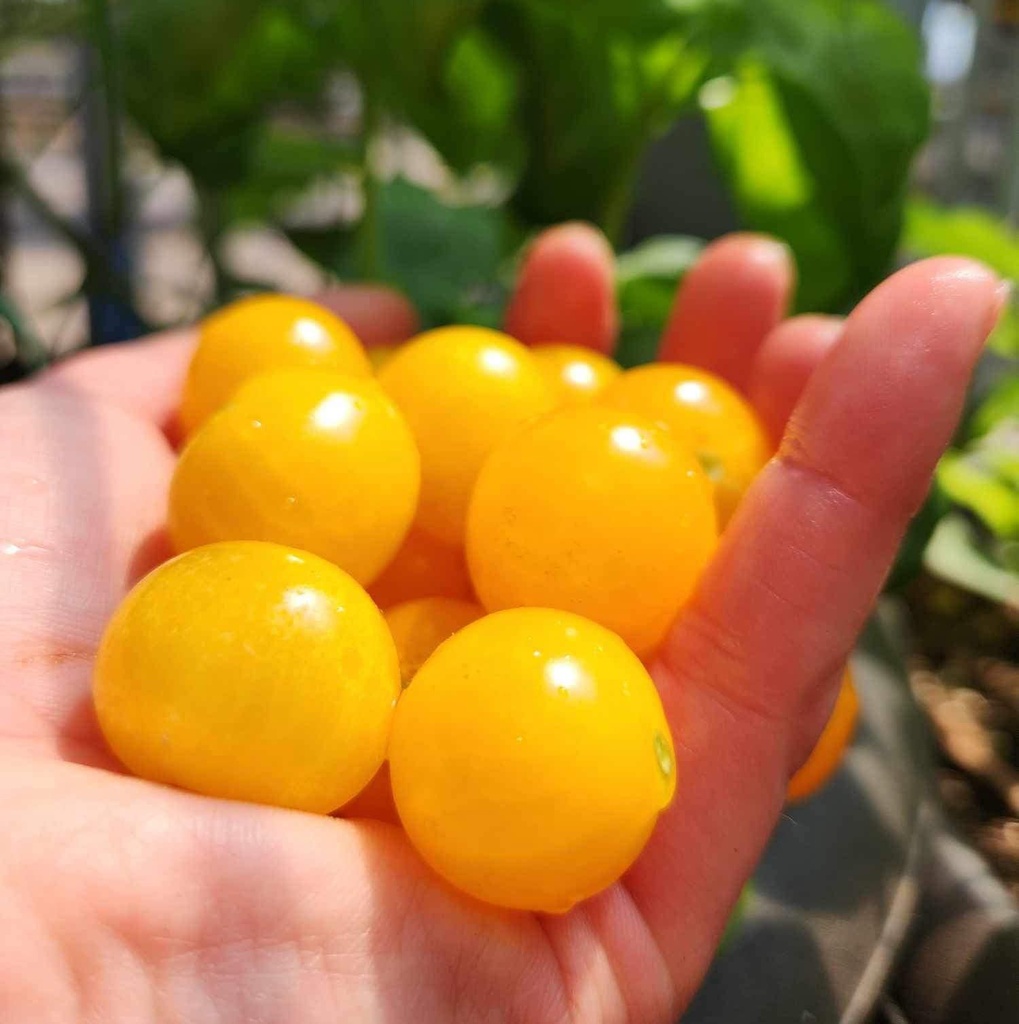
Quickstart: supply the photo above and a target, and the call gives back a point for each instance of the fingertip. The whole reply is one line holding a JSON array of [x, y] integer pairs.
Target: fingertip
[[565, 292], [736, 293], [788, 357], [376, 313]]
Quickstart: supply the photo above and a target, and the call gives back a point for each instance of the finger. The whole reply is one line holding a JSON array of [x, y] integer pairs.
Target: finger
[[566, 293], [727, 304], [85, 486], [750, 671], [146, 377], [378, 315], [788, 357]]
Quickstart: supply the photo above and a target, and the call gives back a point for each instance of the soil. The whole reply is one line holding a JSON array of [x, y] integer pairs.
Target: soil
[[965, 674]]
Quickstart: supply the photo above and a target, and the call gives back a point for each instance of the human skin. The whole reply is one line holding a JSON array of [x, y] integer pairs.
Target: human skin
[[124, 901]]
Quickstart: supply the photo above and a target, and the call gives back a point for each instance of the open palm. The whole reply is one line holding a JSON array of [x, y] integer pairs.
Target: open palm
[[121, 900]]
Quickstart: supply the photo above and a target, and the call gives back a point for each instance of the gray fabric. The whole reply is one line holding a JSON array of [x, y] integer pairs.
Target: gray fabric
[[863, 892]]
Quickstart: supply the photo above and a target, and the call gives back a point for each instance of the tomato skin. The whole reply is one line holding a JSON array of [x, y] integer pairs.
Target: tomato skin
[[595, 511], [829, 751], [249, 671], [374, 802], [418, 627], [315, 460], [422, 567], [259, 334], [707, 415], [463, 390], [530, 759], [577, 374]]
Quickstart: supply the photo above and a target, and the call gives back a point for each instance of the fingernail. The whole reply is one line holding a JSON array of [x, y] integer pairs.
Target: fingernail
[[1002, 298], [773, 250]]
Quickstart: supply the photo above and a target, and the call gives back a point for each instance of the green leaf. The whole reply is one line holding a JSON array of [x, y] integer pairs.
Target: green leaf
[[1001, 404], [446, 259], [595, 89], [201, 75], [935, 230], [909, 560], [770, 181], [282, 164], [647, 278], [956, 555], [984, 478], [838, 85]]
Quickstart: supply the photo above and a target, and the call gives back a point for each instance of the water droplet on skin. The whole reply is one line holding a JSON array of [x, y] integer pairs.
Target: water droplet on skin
[[20, 547], [663, 753]]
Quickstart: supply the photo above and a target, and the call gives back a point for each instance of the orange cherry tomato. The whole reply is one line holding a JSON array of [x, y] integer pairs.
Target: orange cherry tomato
[[707, 415], [576, 373], [598, 512], [463, 390], [423, 567], [259, 334], [418, 627], [312, 459], [530, 759], [249, 671], [830, 749]]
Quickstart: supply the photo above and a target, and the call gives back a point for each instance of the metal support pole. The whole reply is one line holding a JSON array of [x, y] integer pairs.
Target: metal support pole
[[110, 318]]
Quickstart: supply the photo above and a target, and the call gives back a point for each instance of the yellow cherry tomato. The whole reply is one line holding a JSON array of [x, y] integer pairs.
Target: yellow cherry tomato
[[707, 415], [252, 672], [418, 627], [576, 373], [423, 567], [379, 355], [530, 759], [463, 390], [830, 749], [258, 334], [302, 457], [595, 511], [374, 802]]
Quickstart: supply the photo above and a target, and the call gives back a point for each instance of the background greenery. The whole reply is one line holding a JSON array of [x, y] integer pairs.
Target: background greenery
[[814, 110]]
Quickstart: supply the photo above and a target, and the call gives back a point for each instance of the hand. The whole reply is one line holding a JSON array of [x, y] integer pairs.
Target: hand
[[121, 900]]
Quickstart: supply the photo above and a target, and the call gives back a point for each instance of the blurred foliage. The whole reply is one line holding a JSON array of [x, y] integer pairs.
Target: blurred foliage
[[814, 107], [933, 230], [446, 259], [647, 277], [816, 127]]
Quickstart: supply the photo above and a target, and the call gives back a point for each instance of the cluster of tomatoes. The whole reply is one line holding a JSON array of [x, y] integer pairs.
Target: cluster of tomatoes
[[428, 589]]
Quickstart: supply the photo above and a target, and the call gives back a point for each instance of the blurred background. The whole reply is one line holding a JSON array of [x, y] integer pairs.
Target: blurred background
[[158, 157]]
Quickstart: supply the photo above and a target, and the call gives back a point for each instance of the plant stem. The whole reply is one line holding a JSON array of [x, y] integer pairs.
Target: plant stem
[[210, 227], [98, 270], [369, 256]]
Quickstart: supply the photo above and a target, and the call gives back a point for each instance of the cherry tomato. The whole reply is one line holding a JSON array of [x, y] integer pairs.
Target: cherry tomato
[[463, 390], [423, 567], [249, 671], [830, 749], [576, 373], [595, 511], [530, 759], [302, 457], [418, 627], [379, 355], [259, 334], [707, 415], [374, 802]]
